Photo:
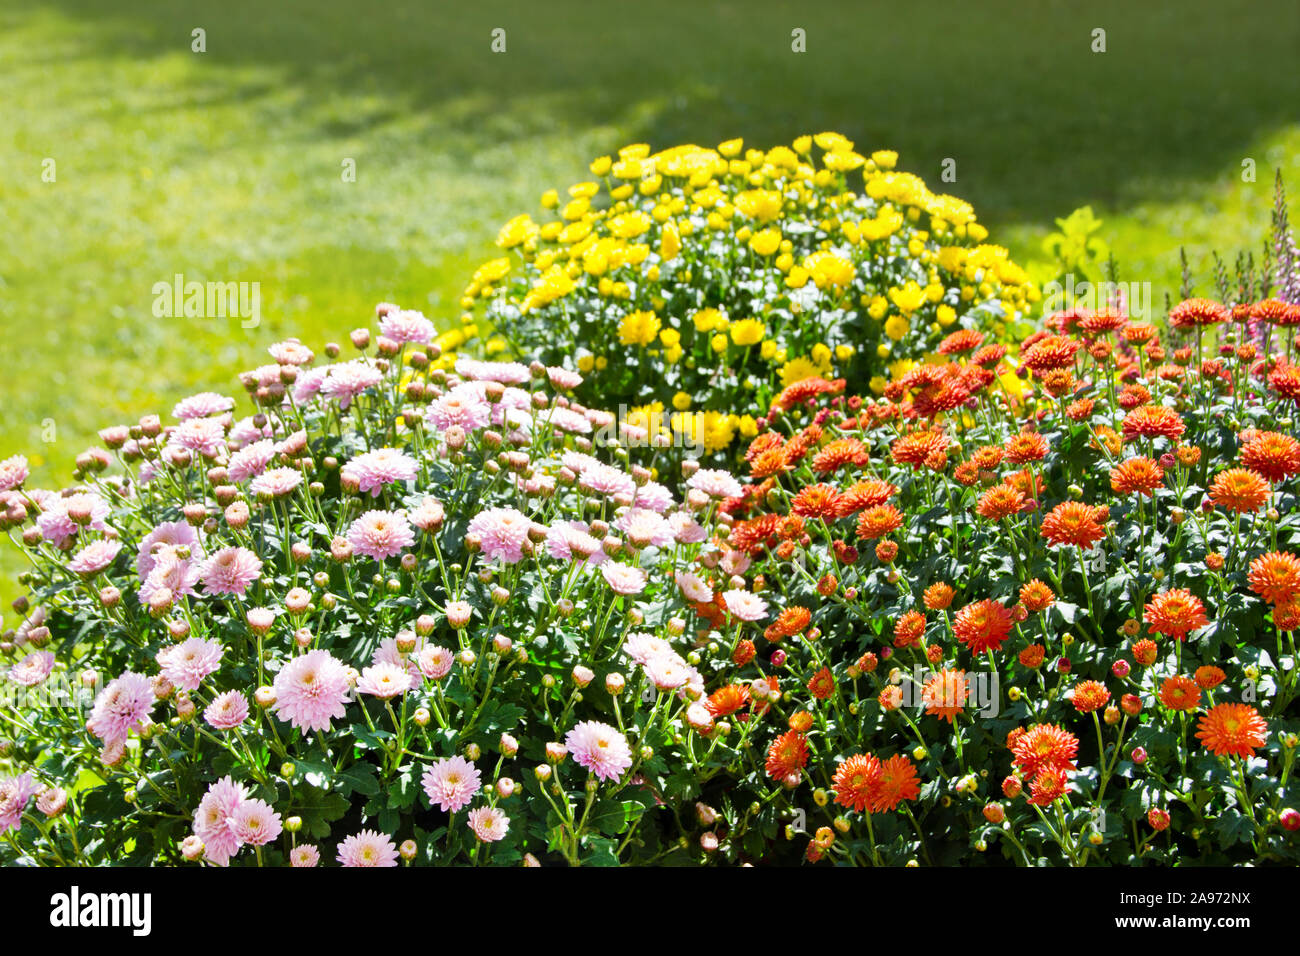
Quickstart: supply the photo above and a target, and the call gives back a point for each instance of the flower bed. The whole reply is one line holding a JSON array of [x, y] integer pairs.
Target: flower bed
[[683, 281], [429, 609]]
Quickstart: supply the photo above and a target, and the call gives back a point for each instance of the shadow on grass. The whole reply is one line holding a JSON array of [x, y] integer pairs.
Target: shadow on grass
[[1036, 121]]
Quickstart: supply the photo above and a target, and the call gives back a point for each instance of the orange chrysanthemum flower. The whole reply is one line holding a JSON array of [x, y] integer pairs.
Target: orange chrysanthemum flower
[[841, 452], [1089, 695], [1145, 652], [1080, 410], [1025, 482], [987, 457], [891, 698], [1239, 489], [856, 781], [938, 596], [944, 694], [1073, 522], [1099, 323], [1193, 312], [1285, 380], [799, 392], [1026, 447], [897, 783], [963, 340], [1153, 421], [1180, 693], [1232, 730], [786, 755], [879, 521], [864, 494], [909, 628], [727, 700], [918, 448], [822, 684], [816, 501], [1048, 787], [1000, 501], [1037, 596], [1275, 576], [1175, 613], [1140, 476], [1286, 617], [1273, 455], [1032, 656], [1049, 352], [756, 534], [1271, 310], [982, 626], [790, 622], [989, 355], [1044, 747], [1209, 677]]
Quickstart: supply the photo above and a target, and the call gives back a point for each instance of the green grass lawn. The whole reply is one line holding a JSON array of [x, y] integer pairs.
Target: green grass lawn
[[226, 165]]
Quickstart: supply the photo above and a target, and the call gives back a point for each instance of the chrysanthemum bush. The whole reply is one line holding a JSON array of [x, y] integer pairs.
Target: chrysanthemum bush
[[395, 612], [685, 282], [1055, 627]]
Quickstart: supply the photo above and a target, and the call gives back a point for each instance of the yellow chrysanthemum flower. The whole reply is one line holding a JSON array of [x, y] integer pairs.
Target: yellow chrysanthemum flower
[[748, 332], [638, 328]]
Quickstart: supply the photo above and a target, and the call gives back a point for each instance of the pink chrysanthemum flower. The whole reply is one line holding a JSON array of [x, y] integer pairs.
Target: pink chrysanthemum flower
[[381, 534], [311, 690], [179, 576], [94, 557], [463, 405], [434, 661], [623, 578], [383, 466], [429, 514], [291, 352], [507, 373], [227, 711], [367, 848], [13, 472], [562, 378], [32, 669], [734, 562], [201, 406], [642, 647], [231, 571], [384, 680], [387, 653], [276, 482], [694, 589], [667, 671], [489, 824], [304, 855], [247, 430], [569, 541], [744, 604], [567, 420], [406, 325], [186, 664], [654, 496], [599, 748], [451, 783], [307, 386], [14, 794], [214, 820], [501, 533], [56, 518], [645, 528], [686, 530], [251, 460], [178, 533], [606, 480], [715, 483], [255, 823], [346, 380], [204, 436], [121, 707]]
